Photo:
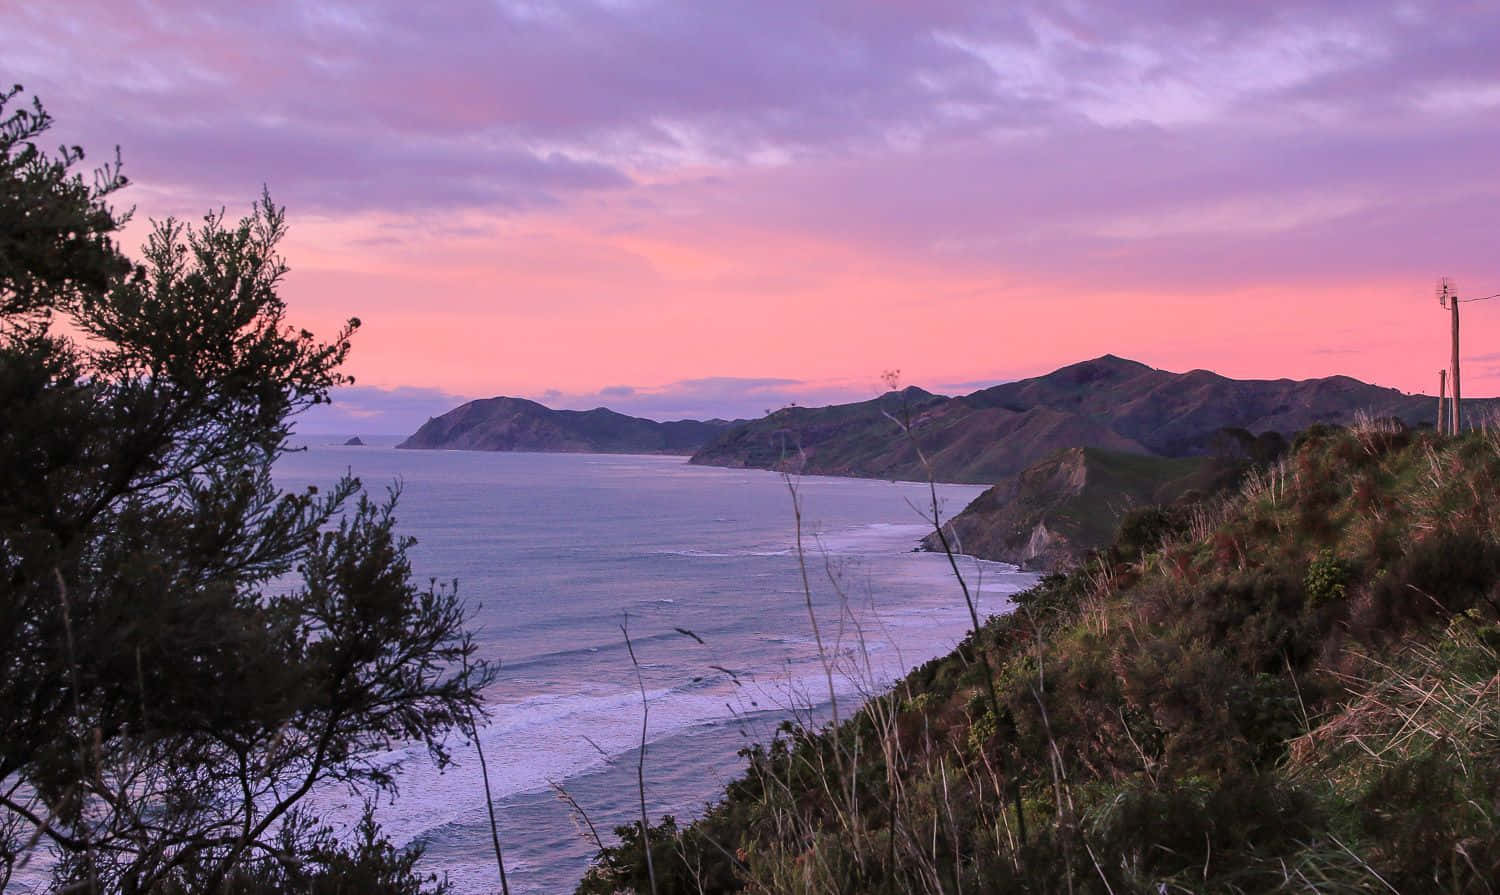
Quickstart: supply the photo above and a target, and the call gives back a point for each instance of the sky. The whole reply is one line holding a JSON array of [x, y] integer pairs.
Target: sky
[[718, 207]]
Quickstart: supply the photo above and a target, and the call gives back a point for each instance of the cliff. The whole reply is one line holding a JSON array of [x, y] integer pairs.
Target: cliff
[[1050, 514]]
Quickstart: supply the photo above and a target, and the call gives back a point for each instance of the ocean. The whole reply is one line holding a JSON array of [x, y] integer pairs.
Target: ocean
[[554, 553]]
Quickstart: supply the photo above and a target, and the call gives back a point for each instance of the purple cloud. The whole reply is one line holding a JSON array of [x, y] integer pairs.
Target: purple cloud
[[1104, 141]]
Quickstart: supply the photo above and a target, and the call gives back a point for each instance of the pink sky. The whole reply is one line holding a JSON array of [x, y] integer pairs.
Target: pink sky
[[690, 208]]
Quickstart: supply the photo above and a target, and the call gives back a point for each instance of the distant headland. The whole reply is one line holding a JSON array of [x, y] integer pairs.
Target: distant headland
[[516, 424], [1109, 403]]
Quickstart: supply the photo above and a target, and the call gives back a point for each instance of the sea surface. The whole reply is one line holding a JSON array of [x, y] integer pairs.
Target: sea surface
[[556, 553]]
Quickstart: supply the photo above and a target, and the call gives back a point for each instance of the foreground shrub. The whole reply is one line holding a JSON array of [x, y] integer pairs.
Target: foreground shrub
[[189, 651]]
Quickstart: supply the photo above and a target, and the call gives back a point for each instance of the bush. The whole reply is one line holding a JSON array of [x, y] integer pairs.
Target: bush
[[1142, 530], [314, 860], [685, 862], [189, 652], [1326, 578], [1192, 830], [1443, 574]]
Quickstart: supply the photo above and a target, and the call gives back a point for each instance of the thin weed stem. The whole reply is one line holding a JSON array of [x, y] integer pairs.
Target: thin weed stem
[[640, 767]]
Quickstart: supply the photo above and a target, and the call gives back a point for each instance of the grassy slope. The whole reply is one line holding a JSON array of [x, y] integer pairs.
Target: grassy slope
[[1295, 691], [1057, 510]]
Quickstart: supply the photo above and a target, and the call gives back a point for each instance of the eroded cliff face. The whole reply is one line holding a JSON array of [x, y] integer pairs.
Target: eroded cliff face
[[1045, 550], [1009, 522], [1052, 513]]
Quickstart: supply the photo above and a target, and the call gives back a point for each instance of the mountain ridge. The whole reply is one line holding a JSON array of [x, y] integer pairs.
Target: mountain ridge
[[1109, 402]]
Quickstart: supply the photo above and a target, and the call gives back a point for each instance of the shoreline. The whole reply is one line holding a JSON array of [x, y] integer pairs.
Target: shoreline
[[718, 542], [687, 460]]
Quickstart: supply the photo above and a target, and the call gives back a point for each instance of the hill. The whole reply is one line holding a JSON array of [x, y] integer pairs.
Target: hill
[[1051, 513], [516, 424], [1290, 689], [1109, 403]]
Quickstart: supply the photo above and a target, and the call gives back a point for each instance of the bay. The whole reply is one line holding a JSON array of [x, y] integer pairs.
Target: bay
[[555, 553]]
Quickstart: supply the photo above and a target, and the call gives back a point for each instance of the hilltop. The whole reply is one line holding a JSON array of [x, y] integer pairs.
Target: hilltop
[[516, 424], [1109, 403]]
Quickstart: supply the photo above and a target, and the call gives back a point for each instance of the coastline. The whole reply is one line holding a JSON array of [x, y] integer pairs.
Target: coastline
[[734, 586]]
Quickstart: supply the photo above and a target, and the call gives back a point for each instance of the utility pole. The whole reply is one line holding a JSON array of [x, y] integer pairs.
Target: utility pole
[[1442, 425], [1458, 419], [1448, 298]]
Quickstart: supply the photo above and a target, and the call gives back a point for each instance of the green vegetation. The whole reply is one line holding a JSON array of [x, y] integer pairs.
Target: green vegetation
[[188, 652], [1292, 687], [842, 439], [1056, 511]]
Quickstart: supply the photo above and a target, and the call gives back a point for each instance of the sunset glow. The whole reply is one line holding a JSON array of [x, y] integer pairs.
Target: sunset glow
[[696, 209]]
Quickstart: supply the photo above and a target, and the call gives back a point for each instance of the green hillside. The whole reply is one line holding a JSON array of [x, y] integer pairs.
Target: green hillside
[[1109, 403], [1295, 688], [1055, 511]]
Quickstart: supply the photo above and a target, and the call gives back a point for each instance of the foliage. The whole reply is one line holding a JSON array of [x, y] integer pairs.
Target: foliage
[[676, 857], [55, 226], [1325, 577], [314, 859], [189, 652], [1288, 689], [1142, 530]]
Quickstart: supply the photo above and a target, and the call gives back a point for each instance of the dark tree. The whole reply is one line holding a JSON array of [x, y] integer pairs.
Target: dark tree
[[185, 651]]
